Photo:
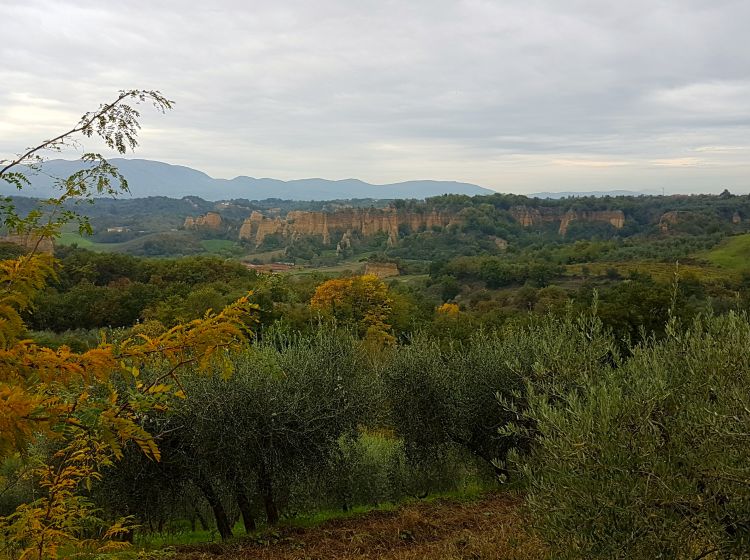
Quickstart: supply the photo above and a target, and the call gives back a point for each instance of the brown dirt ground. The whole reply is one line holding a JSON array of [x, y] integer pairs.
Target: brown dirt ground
[[489, 528]]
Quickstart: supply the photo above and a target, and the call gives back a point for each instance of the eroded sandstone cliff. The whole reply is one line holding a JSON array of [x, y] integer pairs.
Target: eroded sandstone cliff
[[366, 221], [536, 216], [615, 218], [210, 220], [31, 243]]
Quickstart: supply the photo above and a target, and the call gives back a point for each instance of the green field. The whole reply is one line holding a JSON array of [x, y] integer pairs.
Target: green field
[[219, 245], [74, 238], [733, 253], [213, 246]]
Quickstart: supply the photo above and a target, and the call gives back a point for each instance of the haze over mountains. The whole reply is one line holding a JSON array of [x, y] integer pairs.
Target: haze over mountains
[[154, 178]]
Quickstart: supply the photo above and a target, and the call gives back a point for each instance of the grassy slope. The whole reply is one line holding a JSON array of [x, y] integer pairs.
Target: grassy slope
[[219, 245], [70, 238], [732, 254], [214, 246]]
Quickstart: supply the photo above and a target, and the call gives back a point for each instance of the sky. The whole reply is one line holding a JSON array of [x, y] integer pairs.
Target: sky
[[515, 95]]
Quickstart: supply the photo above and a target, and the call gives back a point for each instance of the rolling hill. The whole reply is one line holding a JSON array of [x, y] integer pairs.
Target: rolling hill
[[154, 178]]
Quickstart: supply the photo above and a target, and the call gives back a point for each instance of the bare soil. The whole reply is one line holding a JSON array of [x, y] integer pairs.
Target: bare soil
[[488, 528]]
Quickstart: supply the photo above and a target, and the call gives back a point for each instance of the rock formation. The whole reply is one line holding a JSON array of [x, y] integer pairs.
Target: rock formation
[[31, 242], [345, 243], [258, 226], [668, 219], [210, 220], [614, 217], [674, 217], [501, 243], [366, 221], [537, 216]]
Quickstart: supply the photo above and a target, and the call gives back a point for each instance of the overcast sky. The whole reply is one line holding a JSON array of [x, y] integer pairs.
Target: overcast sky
[[515, 95]]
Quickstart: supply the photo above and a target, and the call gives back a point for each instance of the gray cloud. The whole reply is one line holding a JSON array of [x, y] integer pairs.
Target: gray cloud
[[520, 96]]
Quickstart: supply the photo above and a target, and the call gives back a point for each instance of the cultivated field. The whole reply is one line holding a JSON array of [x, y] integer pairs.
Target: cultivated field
[[488, 528]]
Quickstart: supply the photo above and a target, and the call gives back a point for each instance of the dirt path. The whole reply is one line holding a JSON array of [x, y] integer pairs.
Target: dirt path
[[488, 528]]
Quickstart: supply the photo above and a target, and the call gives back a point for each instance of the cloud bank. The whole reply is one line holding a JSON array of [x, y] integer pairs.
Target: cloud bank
[[515, 96]]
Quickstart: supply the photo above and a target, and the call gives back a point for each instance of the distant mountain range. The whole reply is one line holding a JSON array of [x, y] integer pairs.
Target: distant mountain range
[[153, 178]]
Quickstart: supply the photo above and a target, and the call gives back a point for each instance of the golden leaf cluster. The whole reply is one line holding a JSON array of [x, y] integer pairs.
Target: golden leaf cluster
[[85, 407], [65, 415], [359, 302], [448, 310]]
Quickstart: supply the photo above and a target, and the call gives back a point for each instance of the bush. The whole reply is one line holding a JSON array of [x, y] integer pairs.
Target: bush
[[251, 437], [650, 460], [443, 396]]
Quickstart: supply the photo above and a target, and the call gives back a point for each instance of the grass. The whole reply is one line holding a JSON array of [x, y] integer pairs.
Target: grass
[[411, 279], [267, 256], [470, 492], [220, 245], [213, 246], [324, 516], [160, 540], [70, 238], [732, 254], [184, 538], [163, 545]]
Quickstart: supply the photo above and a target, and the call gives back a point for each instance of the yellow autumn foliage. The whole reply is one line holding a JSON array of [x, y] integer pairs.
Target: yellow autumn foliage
[[448, 310], [66, 416], [87, 405], [358, 302]]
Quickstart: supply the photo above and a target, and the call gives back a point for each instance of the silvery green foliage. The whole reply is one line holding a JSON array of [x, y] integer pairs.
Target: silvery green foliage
[[462, 394], [652, 459]]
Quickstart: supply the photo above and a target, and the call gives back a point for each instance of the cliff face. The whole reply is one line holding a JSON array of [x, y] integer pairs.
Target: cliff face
[[258, 226], [675, 217], [614, 217], [210, 220], [536, 216], [31, 242], [366, 221], [668, 219]]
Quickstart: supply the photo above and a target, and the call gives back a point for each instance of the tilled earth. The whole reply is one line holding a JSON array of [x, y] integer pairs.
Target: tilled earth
[[488, 528]]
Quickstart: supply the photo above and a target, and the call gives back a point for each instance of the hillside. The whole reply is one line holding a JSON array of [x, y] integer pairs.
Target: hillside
[[438, 227]]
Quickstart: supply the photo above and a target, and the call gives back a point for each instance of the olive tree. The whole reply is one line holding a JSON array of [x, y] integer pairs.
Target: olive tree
[[243, 441], [462, 394], [650, 460]]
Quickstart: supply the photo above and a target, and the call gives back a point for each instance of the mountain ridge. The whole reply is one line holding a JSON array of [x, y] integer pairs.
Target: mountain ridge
[[155, 178]]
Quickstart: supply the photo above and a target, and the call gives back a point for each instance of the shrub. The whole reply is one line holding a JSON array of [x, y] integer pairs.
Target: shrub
[[650, 460], [447, 395]]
